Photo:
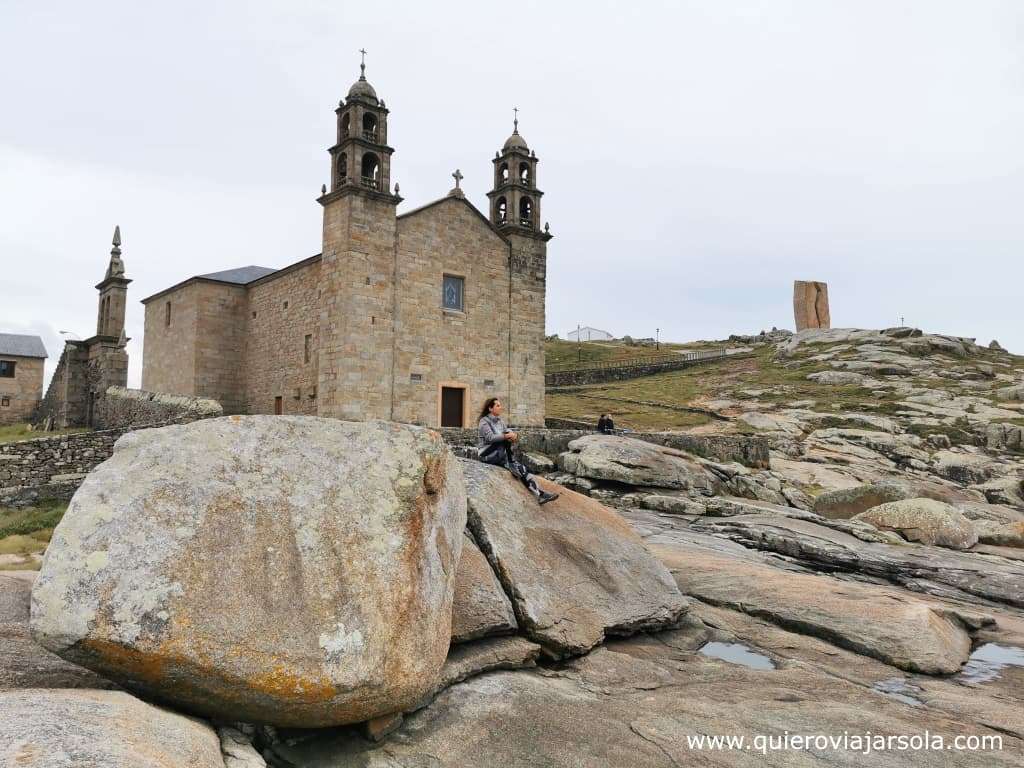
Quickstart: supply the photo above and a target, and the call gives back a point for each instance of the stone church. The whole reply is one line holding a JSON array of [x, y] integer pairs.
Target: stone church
[[414, 317]]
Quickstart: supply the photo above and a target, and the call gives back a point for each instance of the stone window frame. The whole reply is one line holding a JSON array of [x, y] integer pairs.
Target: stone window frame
[[8, 369], [461, 309], [307, 348], [5, 401], [167, 315]]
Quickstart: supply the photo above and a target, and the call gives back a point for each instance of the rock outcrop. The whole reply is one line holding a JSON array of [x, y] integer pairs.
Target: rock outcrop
[[624, 460], [23, 662], [68, 729], [287, 570], [810, 305], [480, 607], [844, 503], [575, 570], [925, 520]]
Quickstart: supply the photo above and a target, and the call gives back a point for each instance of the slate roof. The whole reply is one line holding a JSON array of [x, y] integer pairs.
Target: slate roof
[[18, 345], [239, 276]]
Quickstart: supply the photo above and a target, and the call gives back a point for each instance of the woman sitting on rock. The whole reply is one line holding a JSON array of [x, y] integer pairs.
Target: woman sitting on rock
[[495, 444]]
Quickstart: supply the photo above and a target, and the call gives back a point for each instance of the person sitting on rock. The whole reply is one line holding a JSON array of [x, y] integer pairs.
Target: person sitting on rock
[[605, 425], [495, 446]]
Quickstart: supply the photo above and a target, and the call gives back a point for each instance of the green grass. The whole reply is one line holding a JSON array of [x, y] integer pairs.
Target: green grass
[[13, 432], [722, 379], [24, 522], [26, 532]]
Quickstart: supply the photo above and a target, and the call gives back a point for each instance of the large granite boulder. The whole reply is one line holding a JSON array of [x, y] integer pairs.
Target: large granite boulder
[[106, 729], [844, 503], [1004, 437], [23, 662], [575, 569], [480, 607], [927, 521], [634, 462], [287, 570]]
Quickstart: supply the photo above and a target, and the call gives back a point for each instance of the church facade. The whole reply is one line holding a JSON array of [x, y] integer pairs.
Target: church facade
[[414, 317]]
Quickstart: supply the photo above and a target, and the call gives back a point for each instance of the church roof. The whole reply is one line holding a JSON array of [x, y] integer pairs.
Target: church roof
[[20, 345], [238, 276], [361, 89], [515, 141]]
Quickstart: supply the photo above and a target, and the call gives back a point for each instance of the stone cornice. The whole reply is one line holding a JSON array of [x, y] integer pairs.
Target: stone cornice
[[122, 281], [358, 189]]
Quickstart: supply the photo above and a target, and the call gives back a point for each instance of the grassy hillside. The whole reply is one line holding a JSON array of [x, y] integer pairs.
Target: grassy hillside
[[758, 378], [699, 387], [560, 353]]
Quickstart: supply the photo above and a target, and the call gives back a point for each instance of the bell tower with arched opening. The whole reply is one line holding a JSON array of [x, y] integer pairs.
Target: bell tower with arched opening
[[358, 262], [515, 213], [361, 157]]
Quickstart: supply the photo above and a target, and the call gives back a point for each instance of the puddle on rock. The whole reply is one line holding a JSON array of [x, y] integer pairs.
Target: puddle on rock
[[988, 661], [898, 688], [736, 653]]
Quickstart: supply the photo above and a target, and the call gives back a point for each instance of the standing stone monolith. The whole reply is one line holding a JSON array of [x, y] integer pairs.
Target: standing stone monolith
[[810, 305]]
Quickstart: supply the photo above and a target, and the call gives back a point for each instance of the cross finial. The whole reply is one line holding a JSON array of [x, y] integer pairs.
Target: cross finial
[[458, 177], [515, 121], [362, 64]]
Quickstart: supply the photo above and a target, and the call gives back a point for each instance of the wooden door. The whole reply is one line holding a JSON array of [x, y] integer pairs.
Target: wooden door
[[278, 406], [452, 403]]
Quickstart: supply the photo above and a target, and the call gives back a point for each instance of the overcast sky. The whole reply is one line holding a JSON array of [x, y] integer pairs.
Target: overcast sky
[[697, 156]]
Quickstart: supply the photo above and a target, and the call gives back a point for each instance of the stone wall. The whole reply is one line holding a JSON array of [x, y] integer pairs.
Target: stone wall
[[133, 408], [748, 450], [195, 343], [467, 349], [23, 392], [169, 354], [528, 274], [54, 467], [64, 402], [282, 311], [220, 344], [357, 311], [84, 373]]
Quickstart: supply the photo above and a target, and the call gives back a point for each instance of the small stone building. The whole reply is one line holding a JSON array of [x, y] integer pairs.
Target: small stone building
[[414, 317], [88, 367], [21, 376]]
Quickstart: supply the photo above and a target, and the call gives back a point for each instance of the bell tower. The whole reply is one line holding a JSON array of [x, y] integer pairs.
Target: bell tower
[[515, 198], [515, 213], [356, 355], [361, 157]]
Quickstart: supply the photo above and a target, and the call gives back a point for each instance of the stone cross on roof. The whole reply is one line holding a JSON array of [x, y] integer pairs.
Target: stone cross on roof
[[457, 190], [515, 121]]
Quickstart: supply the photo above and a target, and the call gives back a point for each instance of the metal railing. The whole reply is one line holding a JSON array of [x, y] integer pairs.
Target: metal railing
[[702, 354], [366, 181]]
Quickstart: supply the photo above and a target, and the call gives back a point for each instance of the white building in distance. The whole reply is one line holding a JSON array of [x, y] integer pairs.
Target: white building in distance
[[586, 333]]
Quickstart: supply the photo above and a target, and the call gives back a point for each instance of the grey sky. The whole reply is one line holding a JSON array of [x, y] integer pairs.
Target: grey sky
[[697, 157]]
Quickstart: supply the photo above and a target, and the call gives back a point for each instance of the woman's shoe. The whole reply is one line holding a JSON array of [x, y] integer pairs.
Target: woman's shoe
[[545, 497]]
